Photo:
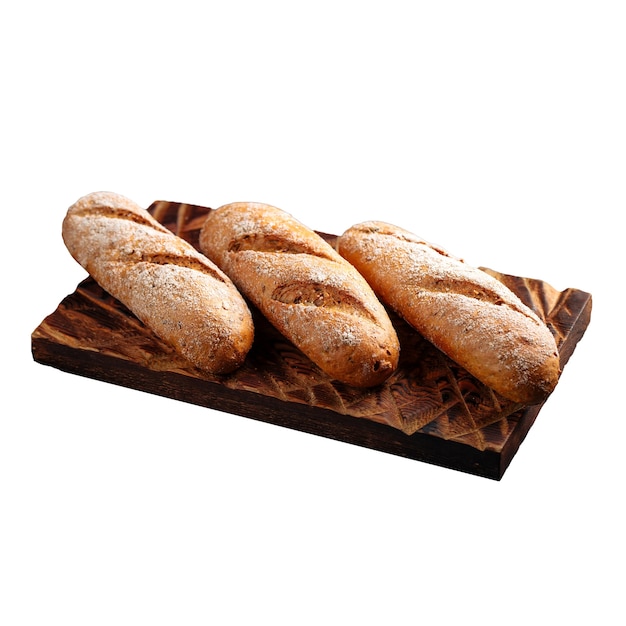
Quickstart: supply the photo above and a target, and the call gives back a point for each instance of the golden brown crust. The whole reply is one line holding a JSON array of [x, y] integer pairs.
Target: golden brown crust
[[305, 289], [177, 292], [467, 314]]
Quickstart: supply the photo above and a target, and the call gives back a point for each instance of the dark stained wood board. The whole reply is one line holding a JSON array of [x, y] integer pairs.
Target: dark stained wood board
[[430, 410]]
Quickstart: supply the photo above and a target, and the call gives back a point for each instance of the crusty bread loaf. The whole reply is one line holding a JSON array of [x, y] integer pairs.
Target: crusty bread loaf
[[305, 289], [173, 289], [465, 312]]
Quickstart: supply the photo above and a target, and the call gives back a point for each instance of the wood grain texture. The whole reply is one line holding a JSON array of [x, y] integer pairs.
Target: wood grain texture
[[430, 410]]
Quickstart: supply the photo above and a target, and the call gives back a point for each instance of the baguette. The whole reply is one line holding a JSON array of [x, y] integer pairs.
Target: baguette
[[466, 313], [171, 287], [305, 289]]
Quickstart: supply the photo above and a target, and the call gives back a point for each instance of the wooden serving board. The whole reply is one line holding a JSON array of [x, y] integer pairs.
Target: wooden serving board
[[430, 410]]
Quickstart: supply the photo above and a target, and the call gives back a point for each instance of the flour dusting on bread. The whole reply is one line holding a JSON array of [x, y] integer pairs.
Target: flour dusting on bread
[[171, 287], [306, 290], [466, 313]]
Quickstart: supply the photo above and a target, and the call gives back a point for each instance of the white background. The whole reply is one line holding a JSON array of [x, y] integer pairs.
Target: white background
[[495, 129]]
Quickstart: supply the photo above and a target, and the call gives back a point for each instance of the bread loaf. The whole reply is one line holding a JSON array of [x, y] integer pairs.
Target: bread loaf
[[305, 289], [173, 289], [466, 313]]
